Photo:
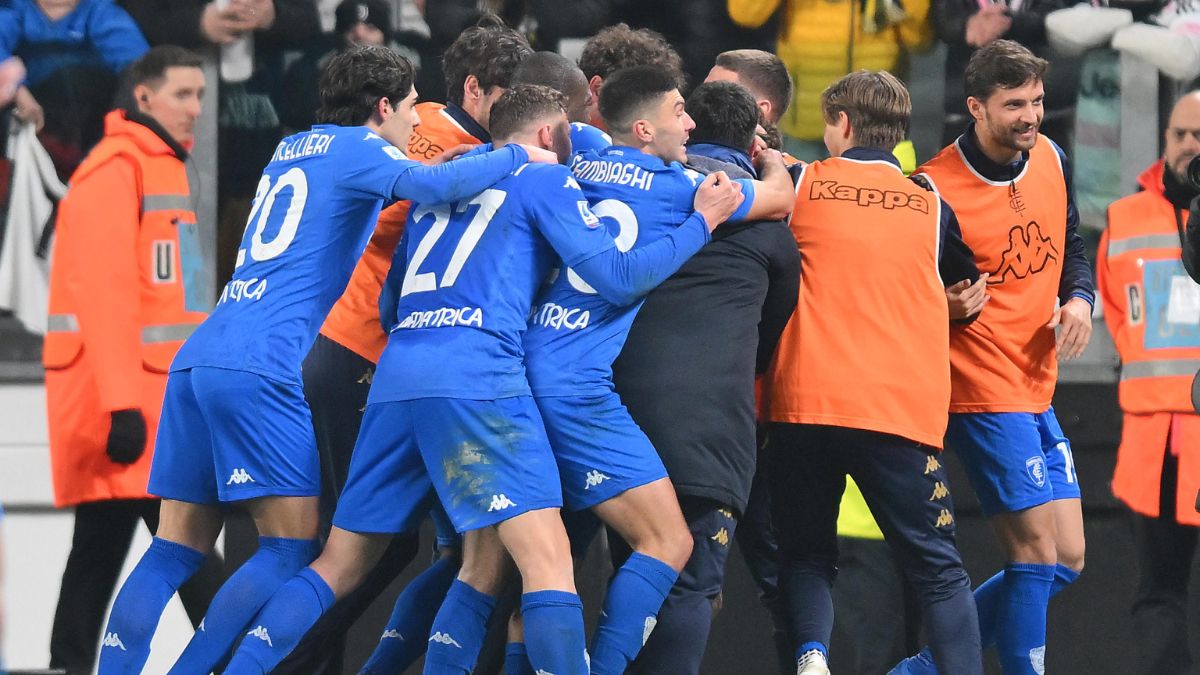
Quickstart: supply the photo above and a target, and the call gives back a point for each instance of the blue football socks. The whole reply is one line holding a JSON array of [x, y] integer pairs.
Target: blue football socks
[[407, 631], [458, 630], [139, 606], [241, 597], [1021, 620], [278, 628], [635, 595], [554, 632], [516, 660]]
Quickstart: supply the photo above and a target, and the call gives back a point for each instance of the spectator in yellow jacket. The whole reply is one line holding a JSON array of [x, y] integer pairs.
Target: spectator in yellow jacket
[[822, 40]]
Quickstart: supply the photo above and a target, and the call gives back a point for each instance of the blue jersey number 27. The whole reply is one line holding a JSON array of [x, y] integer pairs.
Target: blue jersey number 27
[[416, 281]]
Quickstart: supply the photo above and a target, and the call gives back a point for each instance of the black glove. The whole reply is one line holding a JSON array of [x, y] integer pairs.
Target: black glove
[[127, 438]]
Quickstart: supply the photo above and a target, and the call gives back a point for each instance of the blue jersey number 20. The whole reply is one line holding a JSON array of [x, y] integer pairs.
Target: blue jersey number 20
[[264, 201]]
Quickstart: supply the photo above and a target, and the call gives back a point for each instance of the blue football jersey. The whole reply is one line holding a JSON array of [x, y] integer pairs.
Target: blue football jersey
[[574, 334], [471, 270], [313, 211], [585, 137]]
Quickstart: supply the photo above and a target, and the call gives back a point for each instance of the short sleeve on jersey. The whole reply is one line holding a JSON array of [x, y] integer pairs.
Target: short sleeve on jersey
[[744, 207], [374, 166], [585, 137], [562, 214]]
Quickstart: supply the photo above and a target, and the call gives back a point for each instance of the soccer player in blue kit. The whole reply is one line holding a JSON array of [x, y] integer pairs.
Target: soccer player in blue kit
[[235, 426], [606, 462], [450, 407]]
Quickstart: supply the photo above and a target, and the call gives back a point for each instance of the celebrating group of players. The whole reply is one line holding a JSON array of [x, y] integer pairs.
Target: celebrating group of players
[[524, 242]]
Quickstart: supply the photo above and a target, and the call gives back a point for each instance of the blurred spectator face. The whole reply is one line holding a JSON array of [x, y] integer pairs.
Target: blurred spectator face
[[57, 9], [1010, 117], [670, 125], [175, 102], [398, 126], [1183, 135], [363, 33]]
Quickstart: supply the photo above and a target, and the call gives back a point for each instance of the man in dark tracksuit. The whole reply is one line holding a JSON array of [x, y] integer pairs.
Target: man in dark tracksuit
[[692, 354]]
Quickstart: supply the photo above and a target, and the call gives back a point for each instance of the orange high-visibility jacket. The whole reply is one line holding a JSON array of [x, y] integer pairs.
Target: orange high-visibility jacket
[[354, 320], [1004, 361], [1149, 307], [122, 301], [868, 346]]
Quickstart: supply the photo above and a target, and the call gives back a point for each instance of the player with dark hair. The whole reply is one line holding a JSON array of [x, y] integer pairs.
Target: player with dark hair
[[737, 292], [450, 409], [618, 47], [641, 193], [340, 366], [235, 426], [763, 73], [1010, 187], [557, 72], [725, 124], [479, 65]]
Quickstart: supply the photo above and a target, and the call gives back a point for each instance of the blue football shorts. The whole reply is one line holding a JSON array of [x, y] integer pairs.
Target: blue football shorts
[[1015, 461], [487, 461], [228, 435], [601, 452]]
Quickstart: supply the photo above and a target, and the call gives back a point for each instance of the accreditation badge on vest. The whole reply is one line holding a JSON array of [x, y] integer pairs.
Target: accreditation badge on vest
[[195, 276], [1172, 306]]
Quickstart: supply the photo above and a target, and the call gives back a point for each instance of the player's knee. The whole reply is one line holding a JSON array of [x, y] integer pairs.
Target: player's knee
[[680, 550], [486, 577], [672, 546], [1072, 555], [1036, 548]]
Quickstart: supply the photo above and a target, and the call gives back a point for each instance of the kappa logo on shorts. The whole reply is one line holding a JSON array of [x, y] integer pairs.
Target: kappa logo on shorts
[[239, 477], [1036, 468], [445, 639], [113, 640], [500, 502], [944, 519], [261, 633], [391, 634], [721, 537], [940, 491], [594, 478], [931, 465]]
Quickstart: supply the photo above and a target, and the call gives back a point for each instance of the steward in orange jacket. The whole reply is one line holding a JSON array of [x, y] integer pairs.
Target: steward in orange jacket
[[1152, 308], [126, 287], [120, 307]]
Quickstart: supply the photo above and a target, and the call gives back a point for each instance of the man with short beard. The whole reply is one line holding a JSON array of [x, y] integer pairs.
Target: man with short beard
[[1009, 186], [1140, 274]]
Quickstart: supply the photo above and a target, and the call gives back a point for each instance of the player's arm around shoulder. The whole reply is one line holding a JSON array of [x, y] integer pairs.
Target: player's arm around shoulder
[[774, 194]]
